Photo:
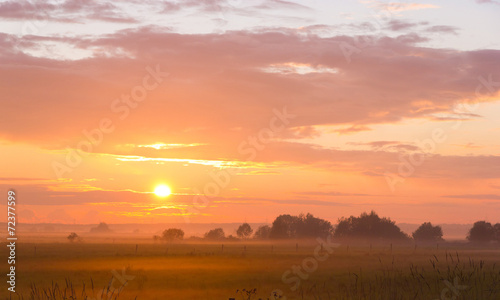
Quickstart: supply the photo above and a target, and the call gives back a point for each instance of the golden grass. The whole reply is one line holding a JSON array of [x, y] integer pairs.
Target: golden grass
[[203, 271]]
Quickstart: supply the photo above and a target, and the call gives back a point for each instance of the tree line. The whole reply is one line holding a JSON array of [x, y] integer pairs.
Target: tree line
[[368, 226]]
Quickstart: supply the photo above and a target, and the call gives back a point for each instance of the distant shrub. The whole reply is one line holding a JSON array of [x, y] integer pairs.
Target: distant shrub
[[496, 228], [172, 234], [262, 232], [369, 226], [73, 237], [215, 234], [244, 231], [232, 238], [428, 233], [101, 228], [301, 226], [481, 231]]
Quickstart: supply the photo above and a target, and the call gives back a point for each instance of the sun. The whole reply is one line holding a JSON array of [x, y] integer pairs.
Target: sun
[[162, 191]]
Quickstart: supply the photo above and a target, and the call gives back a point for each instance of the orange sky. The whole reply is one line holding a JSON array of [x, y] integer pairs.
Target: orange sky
[[397, 114]]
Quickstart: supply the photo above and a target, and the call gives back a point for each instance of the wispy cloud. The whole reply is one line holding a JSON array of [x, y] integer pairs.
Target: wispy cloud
[[392, 88], [352, 129], [475, 196], [214, 163], [161, 146], [387, 145], [488, 1], [69, 11], [400, 6], [443, 29], [331, 193], [22, 179], [298, 68]]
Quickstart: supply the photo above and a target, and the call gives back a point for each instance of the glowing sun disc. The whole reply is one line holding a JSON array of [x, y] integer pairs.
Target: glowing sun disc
[[162, 191]]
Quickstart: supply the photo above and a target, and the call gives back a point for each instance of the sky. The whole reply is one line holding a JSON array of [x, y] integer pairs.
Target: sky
[[250, 109]]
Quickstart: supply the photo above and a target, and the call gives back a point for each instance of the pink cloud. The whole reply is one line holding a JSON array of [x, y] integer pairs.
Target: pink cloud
[[443, 29], [217, 94], [401, 6], [69, 11], [487, 1], [399, 25], [380, 85]]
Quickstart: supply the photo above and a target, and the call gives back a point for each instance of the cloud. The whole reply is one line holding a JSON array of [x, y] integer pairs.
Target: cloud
[[69, 11], [468, 146], [352, 129], [475, 196], [302, 132], [66, 193], [398, 25], [221, 11], [388, 146], [217, 95], [280, 4], [378, 163], [453, 116], [22, 179], [401, 6], [381, 85], [260, 201], [206, 6], [333, 193], [443, 29], [488, 1]]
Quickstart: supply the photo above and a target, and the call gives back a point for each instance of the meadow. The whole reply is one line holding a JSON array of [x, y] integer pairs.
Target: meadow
[[252, 270]]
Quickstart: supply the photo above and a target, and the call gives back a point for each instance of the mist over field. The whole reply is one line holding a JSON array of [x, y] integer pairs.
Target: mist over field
[[146, 231]]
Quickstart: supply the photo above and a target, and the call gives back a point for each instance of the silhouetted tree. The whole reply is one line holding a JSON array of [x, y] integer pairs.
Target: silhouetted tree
[[215, 234], [262, 232], [310, 226], [284, 227], [496, 228], [481, 231], [232, 238], [302, 226], [101, 228], [244, 231], [369, 226], [172, 234], [428, 233], [73, 237]]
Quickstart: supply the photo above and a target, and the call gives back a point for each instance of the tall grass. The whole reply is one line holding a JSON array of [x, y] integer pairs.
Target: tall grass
[[207, 273], [69, 292], [443, 277], [448, 277]]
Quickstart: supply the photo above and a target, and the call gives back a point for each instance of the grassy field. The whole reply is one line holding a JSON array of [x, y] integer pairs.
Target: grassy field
[[206, 271]]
